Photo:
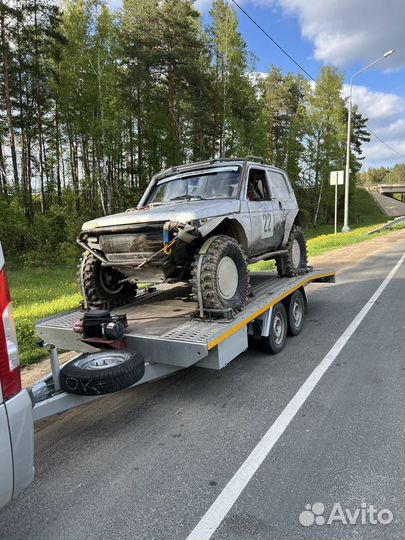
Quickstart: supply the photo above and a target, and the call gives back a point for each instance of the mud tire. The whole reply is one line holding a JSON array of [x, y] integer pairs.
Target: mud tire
[[210, 277], [290, 265], [97, 293]]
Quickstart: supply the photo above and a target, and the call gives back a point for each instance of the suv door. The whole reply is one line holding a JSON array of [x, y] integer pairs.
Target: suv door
[[282, 195], [264, 229]]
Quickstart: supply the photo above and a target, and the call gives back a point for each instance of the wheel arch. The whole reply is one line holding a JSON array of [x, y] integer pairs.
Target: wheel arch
[[300, 220], [234, 229], [296, 217]]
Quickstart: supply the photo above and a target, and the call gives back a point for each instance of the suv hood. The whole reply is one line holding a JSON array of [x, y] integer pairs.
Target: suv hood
[[178, 211]]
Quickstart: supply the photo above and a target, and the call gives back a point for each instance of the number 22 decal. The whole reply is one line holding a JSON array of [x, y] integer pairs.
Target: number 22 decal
[[267, 225]]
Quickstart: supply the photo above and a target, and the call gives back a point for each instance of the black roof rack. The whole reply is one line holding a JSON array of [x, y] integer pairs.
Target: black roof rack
[[194, 165], [197, 164], [259, 159]]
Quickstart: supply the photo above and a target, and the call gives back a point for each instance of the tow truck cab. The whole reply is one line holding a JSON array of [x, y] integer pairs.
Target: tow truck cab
[[16, 423]]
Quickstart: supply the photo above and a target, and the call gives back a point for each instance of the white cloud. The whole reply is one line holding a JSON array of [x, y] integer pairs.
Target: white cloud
[[385, 113], [345, 31], [381, 156], [395, 131], [377, 106]]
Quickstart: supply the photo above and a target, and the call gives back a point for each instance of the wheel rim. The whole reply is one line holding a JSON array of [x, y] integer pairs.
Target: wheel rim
[[101, 360], [109, 281], [296, 253], [297, 312], [227, 277], [278, 329]]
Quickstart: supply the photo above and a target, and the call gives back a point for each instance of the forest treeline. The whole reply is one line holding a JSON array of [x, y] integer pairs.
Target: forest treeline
[[383, 175], [94, 101]]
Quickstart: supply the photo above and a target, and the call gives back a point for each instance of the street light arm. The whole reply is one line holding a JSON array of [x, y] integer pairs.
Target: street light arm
[[371, 65]]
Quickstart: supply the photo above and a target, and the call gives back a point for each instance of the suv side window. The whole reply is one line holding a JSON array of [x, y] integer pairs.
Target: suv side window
[[278, 185], [257, 189]]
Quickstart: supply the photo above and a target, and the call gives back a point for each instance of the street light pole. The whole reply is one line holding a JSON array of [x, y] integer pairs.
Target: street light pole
[[346, 227]]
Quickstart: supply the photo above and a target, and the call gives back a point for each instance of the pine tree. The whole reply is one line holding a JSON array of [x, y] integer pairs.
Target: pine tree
[[284, 116], [8, 17], [93, 102], [231, 80]]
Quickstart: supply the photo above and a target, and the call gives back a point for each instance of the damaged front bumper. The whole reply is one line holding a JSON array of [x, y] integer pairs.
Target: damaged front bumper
[[139, 249], [127, 245]]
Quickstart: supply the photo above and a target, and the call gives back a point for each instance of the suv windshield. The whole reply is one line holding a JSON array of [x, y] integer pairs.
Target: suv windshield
[[209, 184]]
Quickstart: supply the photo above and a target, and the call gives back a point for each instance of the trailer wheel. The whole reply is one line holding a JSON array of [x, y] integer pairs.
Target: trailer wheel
[[295, 307], [102, 373], [275, 341]]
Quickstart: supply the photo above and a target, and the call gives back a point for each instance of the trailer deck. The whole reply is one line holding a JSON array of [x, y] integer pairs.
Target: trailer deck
[[165, 317], [164, 328]]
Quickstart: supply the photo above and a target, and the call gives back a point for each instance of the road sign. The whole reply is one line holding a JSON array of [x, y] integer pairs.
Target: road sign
[[337, 178]]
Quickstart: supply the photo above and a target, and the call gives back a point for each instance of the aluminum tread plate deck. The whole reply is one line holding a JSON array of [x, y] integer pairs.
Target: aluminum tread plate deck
[[161, 325]]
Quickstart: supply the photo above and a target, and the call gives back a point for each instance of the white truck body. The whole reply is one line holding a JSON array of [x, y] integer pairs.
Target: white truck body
[[16, 420]]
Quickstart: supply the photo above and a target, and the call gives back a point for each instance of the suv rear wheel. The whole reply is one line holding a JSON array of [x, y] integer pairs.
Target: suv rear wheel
[[221, 276], [295, 261]]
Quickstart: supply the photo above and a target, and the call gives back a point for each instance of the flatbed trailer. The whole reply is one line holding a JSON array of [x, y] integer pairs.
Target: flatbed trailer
[[163, 325]]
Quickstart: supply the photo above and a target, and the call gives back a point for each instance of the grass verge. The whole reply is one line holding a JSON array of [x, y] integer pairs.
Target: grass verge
[[36, 294]]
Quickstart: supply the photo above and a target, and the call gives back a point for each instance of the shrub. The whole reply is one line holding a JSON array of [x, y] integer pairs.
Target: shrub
[[14, 229]]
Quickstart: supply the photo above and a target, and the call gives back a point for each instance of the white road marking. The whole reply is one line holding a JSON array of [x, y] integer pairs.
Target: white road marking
[[211, 520]]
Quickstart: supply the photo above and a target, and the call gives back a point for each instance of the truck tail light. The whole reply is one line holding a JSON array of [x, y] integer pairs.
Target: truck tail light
[[10, 378]]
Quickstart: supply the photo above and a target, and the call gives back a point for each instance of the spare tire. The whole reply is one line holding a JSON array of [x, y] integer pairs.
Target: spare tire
[[102, 372]]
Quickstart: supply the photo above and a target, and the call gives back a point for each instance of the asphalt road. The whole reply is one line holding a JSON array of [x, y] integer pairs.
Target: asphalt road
[[148, 463], [391, 207]]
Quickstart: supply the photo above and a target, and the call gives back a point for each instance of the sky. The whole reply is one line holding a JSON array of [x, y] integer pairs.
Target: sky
[[348, 34]]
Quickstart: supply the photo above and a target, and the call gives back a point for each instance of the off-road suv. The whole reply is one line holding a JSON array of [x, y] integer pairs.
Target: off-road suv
[[202, 222]]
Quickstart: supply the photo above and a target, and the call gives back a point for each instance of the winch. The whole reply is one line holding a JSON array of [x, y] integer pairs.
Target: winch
[[99, 328]]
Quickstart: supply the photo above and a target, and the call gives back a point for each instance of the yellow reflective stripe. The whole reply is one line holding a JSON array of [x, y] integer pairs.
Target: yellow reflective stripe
[[259, 312]]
